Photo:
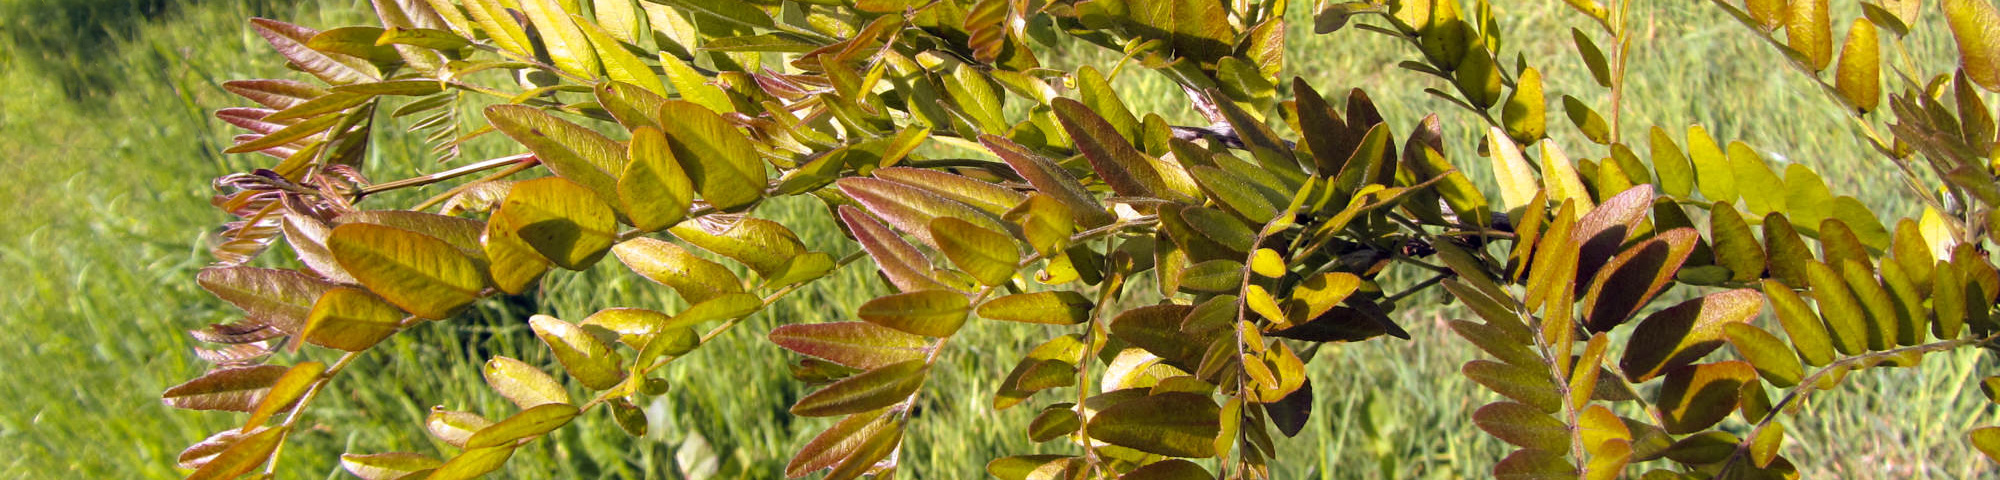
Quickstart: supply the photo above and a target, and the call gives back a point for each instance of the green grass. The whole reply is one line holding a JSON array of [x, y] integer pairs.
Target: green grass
[[111, 145]]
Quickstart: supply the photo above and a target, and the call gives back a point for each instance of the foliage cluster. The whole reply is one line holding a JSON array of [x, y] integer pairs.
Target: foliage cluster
[[1187, 274]]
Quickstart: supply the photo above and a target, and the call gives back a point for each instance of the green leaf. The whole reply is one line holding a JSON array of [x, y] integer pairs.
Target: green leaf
[[1749, 169], [1056, 421], [523, 384], [1221, 228], [1809, 30], [1157, 329], [499, 24], [512, 262], [693, 86], [351, 319], [529, 423], [931, 313], [1272, 153], [1522, 425], [1529, 385], [462, 233], [1858, 78], [1973, 26], [1711, 167], [873, 389], [769, 42], [1525, 114], [1695, 398], [1587, 121], [987, 255], [1235, 193], [1676, 175], [566, 45], [1051, 307], [767, 247], [452, 427], [1098, 95], [619, 64], [1175, 424], [859, 345], [1881, 312], [387, 466], [243, 456], [419, 273], [1987, 440], [697, 279], [1478, 79], [1866, 226], [586, 358], [1684, 333], [1772, 358], [561, 220], [724, 307], [1117, 163], [1531, 464], [236, 389], [1735, 247], [1517, 179], [1786, 252], [473, 463], [722, 163], [571, 151], [1808, 334], [653, 190], [314, 128], [731, 11], [1169, 469], [1845, 318], [1593, 57], [282, 299], [274, 94]]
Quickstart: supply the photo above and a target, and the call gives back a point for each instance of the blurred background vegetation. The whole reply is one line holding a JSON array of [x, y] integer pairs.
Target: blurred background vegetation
[[109, 144]]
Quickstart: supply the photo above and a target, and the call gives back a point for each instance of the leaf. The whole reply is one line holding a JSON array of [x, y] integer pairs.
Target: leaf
[[693, 87], [1735, 247], [473, 463], [1175, 424], [279, 298], [1117, 163], [1157, 330], [285, 392], [1169, 469], [1593, 57], [1684, 333], [452, 427], [1599, 233], [620, 65], [523, 384], [696, 279], [1051, 307], [1050, 179], [571, 151], [653, 190], [1056, 421], [462, 233], [512, 263], [236, 389], [722, 163], [500, 25], [1845, 318], [387, 466], [278, 94], [1525, 115], [767, 247], [586, 358], [987, 255], [912, 209], [1711, 167], [726, 10], [1750, 169], [1530, 464], [1774, 361], [1517, 179], [1235, 193], [1809, 30], [1587, 121], [419, 273], [931, 313], [859, 345], [526, 425], [1675, 173], [290, 41], [1858, 78], [1630, 280], [565, 44], [1698, 396], [1986, 440], [1528, 385], [873, 389], [1100, 98], [1522, 425], [988, 197], [840, 441], [241, 457], [561, 220], [1976, 27], [905, 266]]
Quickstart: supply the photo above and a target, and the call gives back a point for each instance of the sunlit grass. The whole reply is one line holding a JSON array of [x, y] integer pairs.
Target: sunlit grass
[[107, 191]]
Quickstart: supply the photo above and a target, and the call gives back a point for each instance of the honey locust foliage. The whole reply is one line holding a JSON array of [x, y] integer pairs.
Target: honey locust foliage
[[987, 185]]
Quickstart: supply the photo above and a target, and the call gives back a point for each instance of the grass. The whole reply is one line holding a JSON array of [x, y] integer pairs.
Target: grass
[[105, 117]]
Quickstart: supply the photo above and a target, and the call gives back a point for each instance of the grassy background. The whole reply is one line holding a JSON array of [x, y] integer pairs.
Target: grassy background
[[105, 121]]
